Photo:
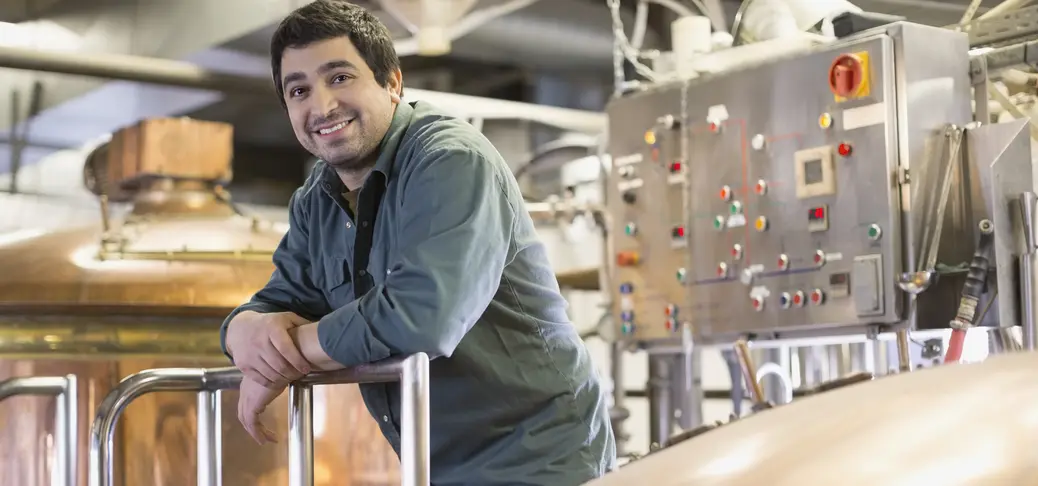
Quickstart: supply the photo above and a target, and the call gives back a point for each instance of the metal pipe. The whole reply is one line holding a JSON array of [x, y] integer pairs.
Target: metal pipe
[[414, 436], [749, 371], [661, 406], [65, 391], [209, 452], [1029, 271], [412, 372], [186, 75], [301, 435], [904, 359]]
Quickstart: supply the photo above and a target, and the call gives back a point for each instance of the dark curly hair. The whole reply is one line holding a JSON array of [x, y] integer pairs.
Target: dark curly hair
[[328, 19]]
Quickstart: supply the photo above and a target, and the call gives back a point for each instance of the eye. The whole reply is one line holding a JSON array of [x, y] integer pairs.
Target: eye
[[340, 78], [296, 92]]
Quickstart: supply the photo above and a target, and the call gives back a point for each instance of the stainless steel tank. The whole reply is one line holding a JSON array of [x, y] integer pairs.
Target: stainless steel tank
[[105, 301], [961, 425]]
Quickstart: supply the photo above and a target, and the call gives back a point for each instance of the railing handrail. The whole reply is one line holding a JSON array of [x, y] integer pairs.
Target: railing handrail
[[411, 371], [64, 389]]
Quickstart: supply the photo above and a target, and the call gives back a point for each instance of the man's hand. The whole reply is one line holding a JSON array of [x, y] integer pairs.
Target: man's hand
[[263, 350], [253, 399]]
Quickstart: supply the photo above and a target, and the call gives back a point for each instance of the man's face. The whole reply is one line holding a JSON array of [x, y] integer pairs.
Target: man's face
[[338, 111]]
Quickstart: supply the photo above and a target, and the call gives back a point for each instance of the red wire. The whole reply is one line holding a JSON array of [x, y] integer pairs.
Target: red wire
[[958, 339]]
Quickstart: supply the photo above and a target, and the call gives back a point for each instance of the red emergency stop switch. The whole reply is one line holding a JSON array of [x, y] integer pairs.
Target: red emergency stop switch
[[846, 75]]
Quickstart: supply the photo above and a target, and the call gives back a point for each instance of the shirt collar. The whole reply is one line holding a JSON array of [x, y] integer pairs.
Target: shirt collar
[[387, 151]]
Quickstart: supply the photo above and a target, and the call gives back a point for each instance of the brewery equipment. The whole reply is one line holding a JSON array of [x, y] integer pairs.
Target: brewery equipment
[[150, 290], [977, 428]]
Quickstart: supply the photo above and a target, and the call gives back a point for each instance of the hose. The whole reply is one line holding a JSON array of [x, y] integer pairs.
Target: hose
[[955, 344], [972, 290]]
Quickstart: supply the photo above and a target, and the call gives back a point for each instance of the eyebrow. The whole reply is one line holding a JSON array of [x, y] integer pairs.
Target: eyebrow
[[328, 66]]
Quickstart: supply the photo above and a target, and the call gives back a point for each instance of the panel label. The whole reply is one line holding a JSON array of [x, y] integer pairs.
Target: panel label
[[627, 160], [864, 116], [737, 221]]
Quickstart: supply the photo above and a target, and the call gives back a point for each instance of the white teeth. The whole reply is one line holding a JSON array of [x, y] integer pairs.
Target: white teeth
[[326, 131]]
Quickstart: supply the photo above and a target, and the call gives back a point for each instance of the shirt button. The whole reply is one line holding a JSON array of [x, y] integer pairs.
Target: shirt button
[[385, 418], [349, 225], [363, 224], [388, 272], [363, 273]]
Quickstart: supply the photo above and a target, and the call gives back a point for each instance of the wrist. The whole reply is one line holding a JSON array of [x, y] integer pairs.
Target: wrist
[[305, 338], [237, 319]]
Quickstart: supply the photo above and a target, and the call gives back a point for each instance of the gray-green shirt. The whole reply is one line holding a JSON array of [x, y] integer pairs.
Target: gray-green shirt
[[456, 270]]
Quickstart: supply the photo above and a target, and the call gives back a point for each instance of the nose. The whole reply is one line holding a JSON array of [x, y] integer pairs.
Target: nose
[[324, 100]]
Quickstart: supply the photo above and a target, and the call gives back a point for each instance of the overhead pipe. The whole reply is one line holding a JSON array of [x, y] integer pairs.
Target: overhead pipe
[[186, 75]]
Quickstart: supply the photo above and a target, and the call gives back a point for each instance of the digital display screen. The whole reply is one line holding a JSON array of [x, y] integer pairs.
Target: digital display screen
[[812, 171], [816, 214]]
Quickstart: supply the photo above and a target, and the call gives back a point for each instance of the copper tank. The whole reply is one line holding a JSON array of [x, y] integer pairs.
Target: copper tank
[[103, 301]]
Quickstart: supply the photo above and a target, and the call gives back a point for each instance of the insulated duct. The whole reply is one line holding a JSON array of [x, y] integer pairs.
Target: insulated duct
[[181, 74]]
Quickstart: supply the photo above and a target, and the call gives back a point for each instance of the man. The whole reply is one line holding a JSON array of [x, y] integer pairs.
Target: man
[[410, 235]]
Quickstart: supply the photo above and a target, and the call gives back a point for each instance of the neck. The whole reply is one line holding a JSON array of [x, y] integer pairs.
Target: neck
[[354, 178]]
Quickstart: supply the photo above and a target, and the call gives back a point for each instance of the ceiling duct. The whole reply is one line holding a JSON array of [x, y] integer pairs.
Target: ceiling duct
[[430, 21]]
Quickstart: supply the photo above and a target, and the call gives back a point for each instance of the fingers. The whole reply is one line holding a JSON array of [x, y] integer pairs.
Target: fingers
[[283, 344], [250, 407], [295, 319]]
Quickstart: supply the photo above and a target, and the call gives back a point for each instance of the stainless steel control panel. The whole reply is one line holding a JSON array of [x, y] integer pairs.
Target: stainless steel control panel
[[768, 200]]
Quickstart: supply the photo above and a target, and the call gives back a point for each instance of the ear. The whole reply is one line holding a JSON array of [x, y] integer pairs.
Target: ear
[[395, 85]]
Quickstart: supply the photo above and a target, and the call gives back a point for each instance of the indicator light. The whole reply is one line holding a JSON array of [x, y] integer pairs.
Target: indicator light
[[714, 127], [675, 167], [627, 328], [784, 300], [798, 298], [761, 187], [626, 288], [722, 269], [671, 310], [817, 296], [819, 257], [758, 142], [718, 222], [650, 137], [627, 316], [726, 193], [817, 213], [761, 224], [758, 304], [680, 274], [678, 232], [736, 251], [627, 258], [844, 149], [735, 207], [631, 229], [874, 232], [825, 120], [783, 262], [671, 325]]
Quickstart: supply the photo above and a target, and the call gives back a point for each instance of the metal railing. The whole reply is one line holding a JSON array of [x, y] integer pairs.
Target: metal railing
[[412, 372], [63, 388]]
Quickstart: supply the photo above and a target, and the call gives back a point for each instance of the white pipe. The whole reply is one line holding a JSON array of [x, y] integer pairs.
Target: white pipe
[[464, 106]]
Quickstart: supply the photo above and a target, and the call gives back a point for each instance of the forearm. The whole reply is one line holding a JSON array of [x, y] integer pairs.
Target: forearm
[[305, 338]]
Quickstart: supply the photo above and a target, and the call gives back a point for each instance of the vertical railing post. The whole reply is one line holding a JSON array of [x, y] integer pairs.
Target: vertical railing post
[[300, 435], [66, 425], [64, 389], [414, 408], [209, 452]]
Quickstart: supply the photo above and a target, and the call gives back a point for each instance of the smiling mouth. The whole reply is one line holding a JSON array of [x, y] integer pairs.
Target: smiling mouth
[[334, 129]]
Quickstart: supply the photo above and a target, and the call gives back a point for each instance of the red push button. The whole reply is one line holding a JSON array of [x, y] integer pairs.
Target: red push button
[[758, 304], [817, 297], [798, 298]]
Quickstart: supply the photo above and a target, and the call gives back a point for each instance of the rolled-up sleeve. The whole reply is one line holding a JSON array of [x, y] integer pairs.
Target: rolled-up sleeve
[[454, 239], [291, 287]]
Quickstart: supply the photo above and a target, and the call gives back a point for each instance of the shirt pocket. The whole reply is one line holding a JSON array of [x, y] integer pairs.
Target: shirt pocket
[[335, 280]]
